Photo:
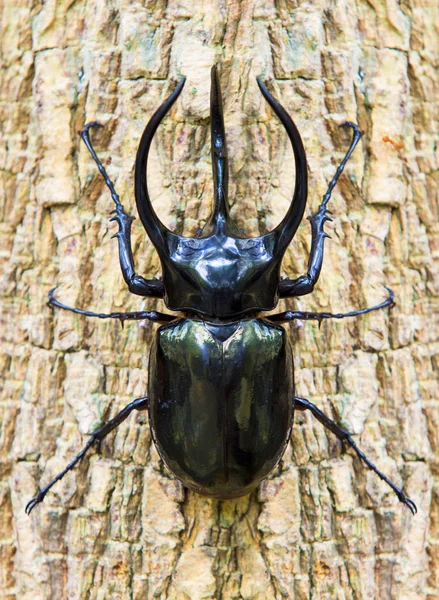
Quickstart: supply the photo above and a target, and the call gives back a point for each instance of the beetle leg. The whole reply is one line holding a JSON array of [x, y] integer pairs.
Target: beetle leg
[[290, 315], [96, 437], [345, 436], [151, 315], [305, 284], [136, 283]]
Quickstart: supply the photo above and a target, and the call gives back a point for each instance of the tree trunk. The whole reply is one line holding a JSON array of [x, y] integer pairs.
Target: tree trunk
[[119, 526]]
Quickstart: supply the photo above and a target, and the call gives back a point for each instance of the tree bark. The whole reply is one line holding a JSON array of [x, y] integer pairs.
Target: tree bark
[[120, 526]]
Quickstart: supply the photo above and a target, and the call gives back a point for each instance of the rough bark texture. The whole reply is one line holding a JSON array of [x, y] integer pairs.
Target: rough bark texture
[[322, 526]]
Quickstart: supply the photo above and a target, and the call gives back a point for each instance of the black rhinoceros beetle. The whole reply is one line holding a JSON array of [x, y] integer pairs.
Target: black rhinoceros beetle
[[221, 385]]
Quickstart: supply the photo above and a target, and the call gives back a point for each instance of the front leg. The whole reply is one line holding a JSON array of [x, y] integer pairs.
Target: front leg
[[136, 284], [305, 284]]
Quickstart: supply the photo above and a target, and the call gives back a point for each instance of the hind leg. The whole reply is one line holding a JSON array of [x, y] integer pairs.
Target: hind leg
[[290, 315], [96, 437], [151, 315], [345, 436]]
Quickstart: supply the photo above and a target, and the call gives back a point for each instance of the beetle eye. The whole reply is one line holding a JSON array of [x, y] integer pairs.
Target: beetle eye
[[255, 248], [187, 248]]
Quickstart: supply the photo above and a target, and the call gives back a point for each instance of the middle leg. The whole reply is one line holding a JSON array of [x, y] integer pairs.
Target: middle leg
[[151, 315], [291, 315]]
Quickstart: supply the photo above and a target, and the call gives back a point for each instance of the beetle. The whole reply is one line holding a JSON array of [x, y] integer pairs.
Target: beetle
[[221, 396]]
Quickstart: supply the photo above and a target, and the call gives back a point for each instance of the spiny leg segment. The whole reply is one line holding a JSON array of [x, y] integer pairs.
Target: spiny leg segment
[[96, 437], [290, 315], [136, 284], [345, 436], [305, 284], [151, 315]]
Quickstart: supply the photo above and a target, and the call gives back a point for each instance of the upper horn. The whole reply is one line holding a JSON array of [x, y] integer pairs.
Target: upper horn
[[289, 224], [220, 168], [152, 224]]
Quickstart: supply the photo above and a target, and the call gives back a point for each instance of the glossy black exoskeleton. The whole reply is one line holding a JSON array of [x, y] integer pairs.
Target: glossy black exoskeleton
[[221, 384]]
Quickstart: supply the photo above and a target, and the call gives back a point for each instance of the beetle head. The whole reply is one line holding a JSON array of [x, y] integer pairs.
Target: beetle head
[[220, 273]]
